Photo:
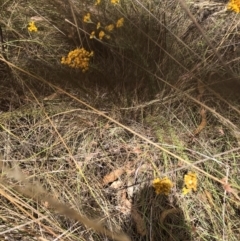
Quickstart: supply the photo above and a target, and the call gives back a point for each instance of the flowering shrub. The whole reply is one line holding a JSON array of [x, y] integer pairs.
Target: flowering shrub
[[78, 58]]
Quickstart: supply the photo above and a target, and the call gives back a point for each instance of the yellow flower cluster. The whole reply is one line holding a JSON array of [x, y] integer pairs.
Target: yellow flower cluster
[[234, 5], [162, 186], [32, 27], [78, 58], [109, 28], [190, 182]]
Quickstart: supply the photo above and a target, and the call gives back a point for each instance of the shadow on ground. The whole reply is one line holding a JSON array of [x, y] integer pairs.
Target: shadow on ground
[[162, 218]]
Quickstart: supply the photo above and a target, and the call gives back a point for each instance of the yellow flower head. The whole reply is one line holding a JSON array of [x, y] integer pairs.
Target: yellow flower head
[[186, 190], [98, 25], [97, 2], [32, 27], [115, 1], [101, 35], [162, 186], [110, 27], [92, 35], [234, 5], [87, 18], [190, 182], [119, 23], [78, 58]]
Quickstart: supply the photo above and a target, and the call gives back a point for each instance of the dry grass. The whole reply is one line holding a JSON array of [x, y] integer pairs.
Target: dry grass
[[79, 151]]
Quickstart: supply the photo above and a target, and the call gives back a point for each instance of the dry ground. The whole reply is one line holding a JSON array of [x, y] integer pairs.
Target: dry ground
[[157, 101]]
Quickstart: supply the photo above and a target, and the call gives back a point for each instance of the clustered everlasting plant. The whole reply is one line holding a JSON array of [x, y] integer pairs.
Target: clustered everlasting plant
[[234, 5], [190, 182], [164, 185], [32, 27], [102, 30], [78, 58]]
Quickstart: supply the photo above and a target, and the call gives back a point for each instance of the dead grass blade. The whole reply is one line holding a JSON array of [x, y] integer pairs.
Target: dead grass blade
[[37, 193], [203, 123]]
